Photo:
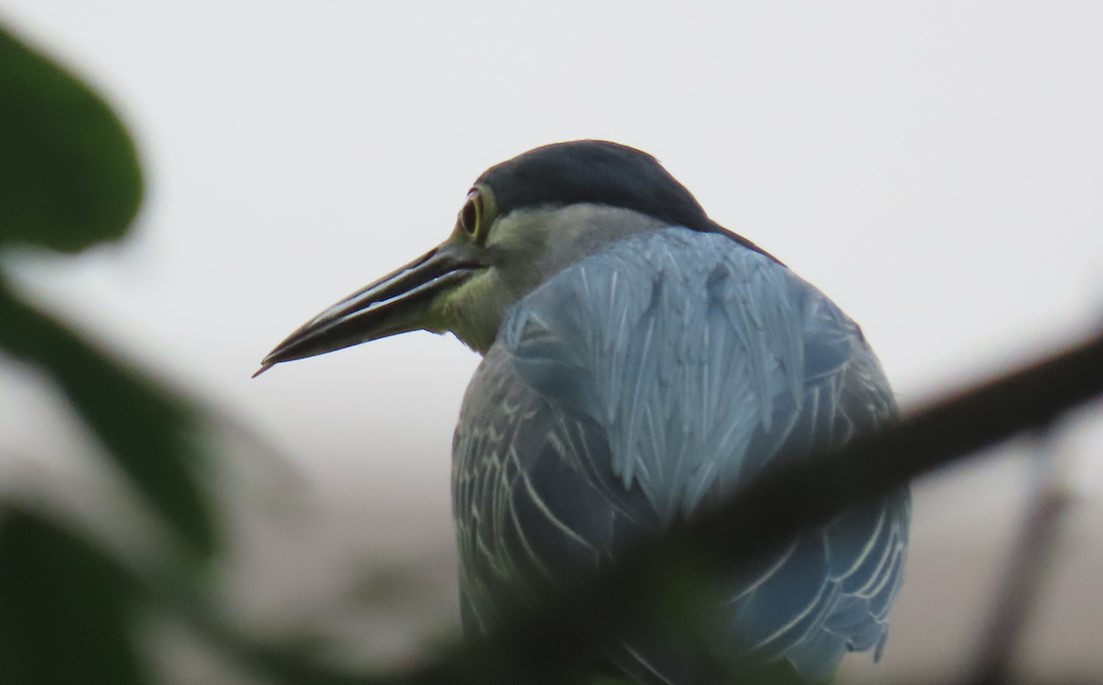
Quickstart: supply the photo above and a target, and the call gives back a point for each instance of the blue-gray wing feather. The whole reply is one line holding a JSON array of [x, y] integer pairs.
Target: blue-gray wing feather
[[655, 377]]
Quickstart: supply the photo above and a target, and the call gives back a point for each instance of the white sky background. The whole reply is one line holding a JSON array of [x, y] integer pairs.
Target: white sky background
[[937, 168]]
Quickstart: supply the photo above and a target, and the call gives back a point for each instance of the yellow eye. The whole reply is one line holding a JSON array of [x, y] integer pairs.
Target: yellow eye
[[472, 212]]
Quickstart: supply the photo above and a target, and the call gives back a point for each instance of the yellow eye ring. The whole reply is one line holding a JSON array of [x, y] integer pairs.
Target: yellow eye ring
[[471, 213]]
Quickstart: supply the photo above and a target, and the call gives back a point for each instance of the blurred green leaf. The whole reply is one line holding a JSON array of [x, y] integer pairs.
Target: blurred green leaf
[[63, 609], [152, 434], [69, 174]]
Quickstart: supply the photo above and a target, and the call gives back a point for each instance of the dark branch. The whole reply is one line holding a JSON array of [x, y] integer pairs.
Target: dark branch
[[570, 629]]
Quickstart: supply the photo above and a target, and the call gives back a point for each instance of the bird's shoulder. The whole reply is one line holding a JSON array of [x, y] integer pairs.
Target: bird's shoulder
[[650, 377], [701, 359]]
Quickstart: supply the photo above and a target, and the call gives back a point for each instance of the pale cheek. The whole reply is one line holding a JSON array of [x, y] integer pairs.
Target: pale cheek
[[474, 312], [472, 321]]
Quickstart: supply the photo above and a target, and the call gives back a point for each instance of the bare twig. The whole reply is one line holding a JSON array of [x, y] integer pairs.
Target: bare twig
[[1027, 564]]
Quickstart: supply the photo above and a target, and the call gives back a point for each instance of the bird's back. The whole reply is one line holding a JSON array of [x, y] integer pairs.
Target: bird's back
[[646, 381]]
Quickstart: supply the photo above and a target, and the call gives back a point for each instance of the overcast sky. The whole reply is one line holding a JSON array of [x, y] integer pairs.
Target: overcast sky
[[935, 167]]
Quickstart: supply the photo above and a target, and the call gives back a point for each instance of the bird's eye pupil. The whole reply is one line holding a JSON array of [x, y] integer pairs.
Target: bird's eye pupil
[[469, 215]]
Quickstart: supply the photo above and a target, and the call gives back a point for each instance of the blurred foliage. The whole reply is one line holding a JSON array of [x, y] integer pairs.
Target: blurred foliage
[[69, 174], [63, 606], [151, 434], [70, 179]]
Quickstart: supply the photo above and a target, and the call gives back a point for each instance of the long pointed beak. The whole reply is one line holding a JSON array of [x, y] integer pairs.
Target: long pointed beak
[[396, 303]]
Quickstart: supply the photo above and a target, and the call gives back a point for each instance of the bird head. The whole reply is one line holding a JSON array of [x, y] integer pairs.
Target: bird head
[[523, 221]]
